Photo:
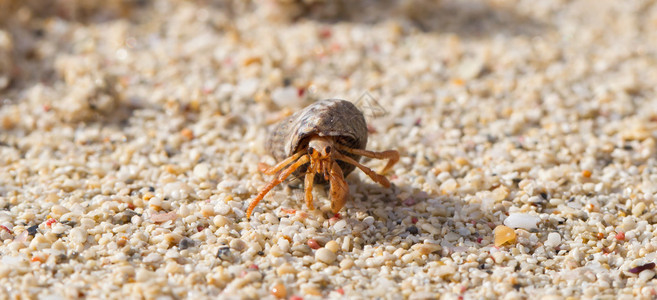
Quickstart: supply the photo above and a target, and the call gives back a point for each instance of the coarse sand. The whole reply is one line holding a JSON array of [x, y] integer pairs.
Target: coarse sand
[[131, 132]]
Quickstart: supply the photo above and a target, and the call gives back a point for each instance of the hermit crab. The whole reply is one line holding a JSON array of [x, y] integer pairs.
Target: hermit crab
[[327, 139]]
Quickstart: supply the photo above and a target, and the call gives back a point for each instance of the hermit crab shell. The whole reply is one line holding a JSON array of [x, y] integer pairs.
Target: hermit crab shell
[[336, 118]]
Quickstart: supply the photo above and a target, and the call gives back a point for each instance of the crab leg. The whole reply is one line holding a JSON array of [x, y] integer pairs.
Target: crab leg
[[391, 155], [269, 170], [304, 159], [382, 180], [339, 188], [308, 183]]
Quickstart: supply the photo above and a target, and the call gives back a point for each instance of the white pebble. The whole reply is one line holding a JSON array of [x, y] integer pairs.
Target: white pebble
[[5, 217], [13, 260], [470, 68], [553, 240], [325, 255], [153, 258], [78, 235], [444, 270], [286, 97], [430, 228], [346, 263], [284, 245], [201, 171], [177, 190], [247, 87], [646, 275], [220, 221], [227, 185], [339, 225]]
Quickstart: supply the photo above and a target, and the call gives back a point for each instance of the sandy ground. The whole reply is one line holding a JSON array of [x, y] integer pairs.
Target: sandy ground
[[131, 132]]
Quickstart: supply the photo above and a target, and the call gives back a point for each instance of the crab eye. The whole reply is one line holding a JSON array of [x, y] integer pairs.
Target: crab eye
[[327, 149], [311, 151]]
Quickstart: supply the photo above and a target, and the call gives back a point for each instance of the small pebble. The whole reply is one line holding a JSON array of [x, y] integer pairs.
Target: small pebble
[[346, 263], [201, 171], [177, 190], [185, 243], [409, 201], [224, 253], [500, 193], [285, 268], [152, 258], [430, 228], [312, 243], [187, 133], [219, 221], [286, 97], [443, 271], [638, 209], [425, 249], [325, 255], [279, 290], [32, 230], [58, 210], [78, 235], [449, 186], [638, 269], [503, 235], [238, 245], [646, 275], [333, 246], [346, 243], [276, 251], [499, 257], [553, 240]]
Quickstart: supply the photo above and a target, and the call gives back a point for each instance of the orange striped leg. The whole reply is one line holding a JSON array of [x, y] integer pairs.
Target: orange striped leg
[[382, 180], [339, 189], [391, 155], [309, 181], [304, 159], [269, 170]]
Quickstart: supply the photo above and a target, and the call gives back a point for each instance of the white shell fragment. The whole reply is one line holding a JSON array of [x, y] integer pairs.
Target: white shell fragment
[[522, 220]]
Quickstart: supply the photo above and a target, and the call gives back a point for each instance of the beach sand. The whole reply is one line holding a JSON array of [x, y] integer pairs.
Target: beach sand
[[131, 132]]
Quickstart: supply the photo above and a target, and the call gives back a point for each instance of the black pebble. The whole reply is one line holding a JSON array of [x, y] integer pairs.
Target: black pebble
[[186, 243], [223, 253], [32, 230], [412, 229]]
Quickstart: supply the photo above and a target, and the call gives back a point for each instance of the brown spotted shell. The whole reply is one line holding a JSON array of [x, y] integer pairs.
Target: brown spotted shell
[[336, 118]]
